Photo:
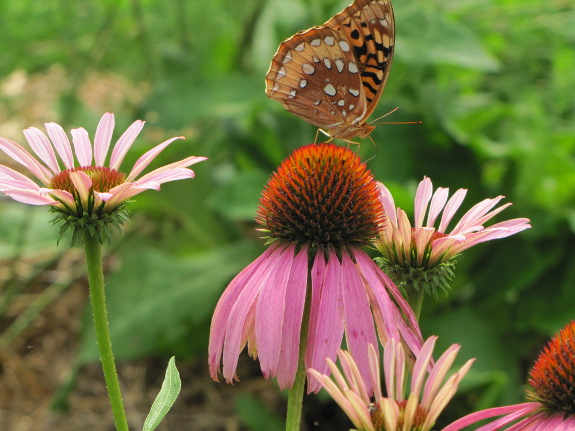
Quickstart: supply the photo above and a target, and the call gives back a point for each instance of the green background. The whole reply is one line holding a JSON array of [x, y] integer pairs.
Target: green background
[[492, 82]]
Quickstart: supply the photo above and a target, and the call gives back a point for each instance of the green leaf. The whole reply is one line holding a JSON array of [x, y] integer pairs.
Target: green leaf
[[166, 398]]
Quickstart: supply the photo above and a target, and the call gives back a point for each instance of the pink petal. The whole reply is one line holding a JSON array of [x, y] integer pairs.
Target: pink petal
[[234, 342], [422, 197], [326, 313], [270, 313], [18, 153], [437, 203], [188, 161], [388, 205], [437, 374], [424, 358], [103, 138], [476, 213], [513, 412], [451, 208], [29, 197], [295, 301], [82, 183], [154, 181], [61, 143], [359, 327], [124, 143], [65, 198], [11, 179], [82, 146], [41, 145], [147, 158], [223, 309]]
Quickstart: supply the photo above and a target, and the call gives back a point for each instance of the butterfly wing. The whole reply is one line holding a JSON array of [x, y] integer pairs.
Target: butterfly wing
[[369, 26], [314, 75]]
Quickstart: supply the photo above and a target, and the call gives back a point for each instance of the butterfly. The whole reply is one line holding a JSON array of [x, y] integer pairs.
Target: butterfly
[[332, 75]]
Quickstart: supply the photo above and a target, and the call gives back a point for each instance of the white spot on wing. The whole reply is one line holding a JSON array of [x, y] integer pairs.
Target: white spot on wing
[[344, 45], [327, 62], [329, 90], [329, 40], [344, 113], [315, 42], [317, 102], [302, 83], [300, 47], [308, 69], [315, 59], [288, 57], [353, 92], [352, 67], [339, 64], [276, 87], [281, 73], [341, 102], [351, 107], [291, 94]]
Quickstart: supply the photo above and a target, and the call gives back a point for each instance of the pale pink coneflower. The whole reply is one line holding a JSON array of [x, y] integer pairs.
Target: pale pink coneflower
[[422, 254], [318, 210], [550, 402], [429, 390], [82, 188]]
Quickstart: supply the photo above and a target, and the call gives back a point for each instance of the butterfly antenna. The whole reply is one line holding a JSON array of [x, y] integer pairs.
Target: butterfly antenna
[[393, 122], [374, 146]]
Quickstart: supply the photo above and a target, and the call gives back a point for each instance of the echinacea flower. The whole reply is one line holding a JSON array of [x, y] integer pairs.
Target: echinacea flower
[[417, 410], [551, 399], [318, 209], [422, 255], [85, 191]]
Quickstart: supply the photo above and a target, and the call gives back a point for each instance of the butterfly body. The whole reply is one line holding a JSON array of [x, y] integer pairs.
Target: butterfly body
[[333, 75]]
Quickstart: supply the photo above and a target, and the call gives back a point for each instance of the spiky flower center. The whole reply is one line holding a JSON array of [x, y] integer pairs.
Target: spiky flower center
[[553, 375], [322, 196], [103, 178]]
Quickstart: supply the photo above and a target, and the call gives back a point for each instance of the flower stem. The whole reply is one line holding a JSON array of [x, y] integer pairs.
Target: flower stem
[[98, 299], [415, 299], [295, 397]]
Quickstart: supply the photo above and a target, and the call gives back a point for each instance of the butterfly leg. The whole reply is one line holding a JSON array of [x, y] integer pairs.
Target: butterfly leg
[[331, 138]]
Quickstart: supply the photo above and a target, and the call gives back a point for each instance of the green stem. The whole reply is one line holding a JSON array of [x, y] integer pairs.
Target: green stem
[[98, 300], [415, 299], [295, 397]]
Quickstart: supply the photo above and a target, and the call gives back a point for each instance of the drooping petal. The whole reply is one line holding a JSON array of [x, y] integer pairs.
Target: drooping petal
[[125, 143], [147, 158], [325, 312], [82, 146], [224, 307], [295, 301], [235, 336], [270, 313], [11, 179], [41, 145], [154, 181], [82, 183], [359, 327], [176, 166], [512, 413], [103, 138], [477, 211], [61, 143]]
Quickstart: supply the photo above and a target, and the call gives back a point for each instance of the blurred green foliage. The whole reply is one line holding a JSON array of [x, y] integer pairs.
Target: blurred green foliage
[[492, 82]]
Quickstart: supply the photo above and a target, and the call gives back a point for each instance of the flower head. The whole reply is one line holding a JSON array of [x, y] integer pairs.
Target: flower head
[[551, 399], [429, 390], [318, 209], [85, 191], [423, 254]]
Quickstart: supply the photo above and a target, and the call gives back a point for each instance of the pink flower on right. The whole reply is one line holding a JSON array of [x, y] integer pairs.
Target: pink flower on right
[[551, 399], [426, 246]]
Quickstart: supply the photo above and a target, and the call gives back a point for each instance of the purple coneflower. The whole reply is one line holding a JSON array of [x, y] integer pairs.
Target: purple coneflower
[[318, 210], [551, 399], [85, 191], [396, 411], [422, 256]]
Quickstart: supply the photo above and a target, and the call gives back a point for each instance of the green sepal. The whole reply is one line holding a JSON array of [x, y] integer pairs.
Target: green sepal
[[409, 279]]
